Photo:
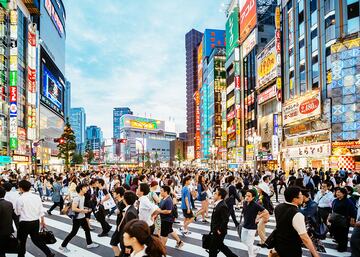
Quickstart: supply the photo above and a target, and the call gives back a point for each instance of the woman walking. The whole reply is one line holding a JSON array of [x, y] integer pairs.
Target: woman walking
[[56, 196]]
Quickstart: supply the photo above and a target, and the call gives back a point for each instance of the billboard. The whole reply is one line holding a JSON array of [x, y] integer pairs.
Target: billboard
[[249, 43], [212, 38], [13, 141], [248, 18], [31, 83], [267, 94], [266, 65], [197, 125], [303, 107], [52, 89], [232, 31]]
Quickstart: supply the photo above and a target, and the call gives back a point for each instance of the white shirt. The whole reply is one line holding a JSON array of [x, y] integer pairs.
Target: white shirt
[[298, 222], [324, 201], [146, 209], [12, 196], [139, 254], [349, 182], [29, 207]]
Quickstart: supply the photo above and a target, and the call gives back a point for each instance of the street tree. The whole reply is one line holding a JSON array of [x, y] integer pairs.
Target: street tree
[[67, 145], [179, 157], [77, 159]]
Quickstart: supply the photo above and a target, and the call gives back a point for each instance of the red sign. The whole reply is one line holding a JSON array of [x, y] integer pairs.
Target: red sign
[[197, 124], [13, 94], [247, 18], [309, 106], [230, 115], [267, 94], [237, 82], [32, 39]]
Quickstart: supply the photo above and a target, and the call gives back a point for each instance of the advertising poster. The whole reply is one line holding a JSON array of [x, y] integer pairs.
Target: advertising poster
[[266, 65], [301, 108], [248, 18], [266, 95], [249, 43], [52, 89], [232, 32], [31, 83]]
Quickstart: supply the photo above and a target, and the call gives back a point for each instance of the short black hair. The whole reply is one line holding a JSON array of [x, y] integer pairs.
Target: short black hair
[[130, 197], [144, 187], [342, 190], [101, 181], [186, 179], [266, 177], [25, 185], [7, 186], [291, 193], [2, 192], [252, 192], [80, 187], [141, 177], [166, 189], [120, 191], [222, 192]]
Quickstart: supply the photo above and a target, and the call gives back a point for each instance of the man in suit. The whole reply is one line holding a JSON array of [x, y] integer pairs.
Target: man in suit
[[218, 225], [6, 228], [130, 213]]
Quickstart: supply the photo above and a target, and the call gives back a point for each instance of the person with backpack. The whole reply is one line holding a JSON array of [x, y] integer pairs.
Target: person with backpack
[[79, 220], [309, 184], [167, 217], [231, 197]]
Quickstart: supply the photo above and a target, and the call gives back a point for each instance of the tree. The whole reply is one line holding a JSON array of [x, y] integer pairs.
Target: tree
[[89, 154], [67, 145], [77, 159], [179, 157], [148, 162], [157, 162]]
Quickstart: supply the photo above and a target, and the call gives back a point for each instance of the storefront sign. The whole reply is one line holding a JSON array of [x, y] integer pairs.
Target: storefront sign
[[5, 159], [239, 154], [266, 128], [275, 145], [298, 129], [248, 18], [231, 144], [249, 43], [237, 82], [267, 94], [249, 152], [303, 107], [230, 102], [230, 115], [266, 65], [310, 151], [348, 144], [197, 124], [346, 148], [232, 32], [231, 129], [20, 158], [276, 124]]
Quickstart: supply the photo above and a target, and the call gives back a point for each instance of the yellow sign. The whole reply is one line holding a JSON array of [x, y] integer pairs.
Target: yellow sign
[[277, 18], [267, 65], [143, 125], [346, 45]]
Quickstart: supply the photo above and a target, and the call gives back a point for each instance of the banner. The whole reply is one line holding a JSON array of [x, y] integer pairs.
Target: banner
[[308, 151], [248, 18], [232, 32], [303, 107], [266, 65], [249, 43], [267, 94], [31, 83]]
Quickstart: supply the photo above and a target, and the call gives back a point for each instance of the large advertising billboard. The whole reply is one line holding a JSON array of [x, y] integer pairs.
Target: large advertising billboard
[[13, 142], [232, 31], [212, 38], [248, 18], [31, 83], [303, 107], [266, 65]]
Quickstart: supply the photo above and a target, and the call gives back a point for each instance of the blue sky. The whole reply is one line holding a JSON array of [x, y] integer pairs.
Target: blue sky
[[132, 53]]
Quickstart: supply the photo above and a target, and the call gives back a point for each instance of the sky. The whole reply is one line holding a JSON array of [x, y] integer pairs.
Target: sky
[[131, 53]]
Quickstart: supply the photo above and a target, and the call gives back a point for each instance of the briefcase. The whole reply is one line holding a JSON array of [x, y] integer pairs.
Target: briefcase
[[207, 240], [47, 236], [11, 245]]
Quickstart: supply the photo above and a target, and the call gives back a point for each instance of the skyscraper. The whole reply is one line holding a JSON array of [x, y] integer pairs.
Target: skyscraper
[[78, 124], [117, 113], [192, 40], [94, 140]]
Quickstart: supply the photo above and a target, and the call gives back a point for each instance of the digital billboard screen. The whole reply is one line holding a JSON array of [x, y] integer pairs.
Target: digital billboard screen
[[52, 89]]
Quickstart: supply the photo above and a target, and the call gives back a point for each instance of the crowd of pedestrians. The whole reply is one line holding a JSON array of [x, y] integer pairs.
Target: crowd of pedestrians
[[145, 203]]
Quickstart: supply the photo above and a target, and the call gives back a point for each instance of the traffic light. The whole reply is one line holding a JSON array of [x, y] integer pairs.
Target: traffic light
[[121, 141], [59, 140]]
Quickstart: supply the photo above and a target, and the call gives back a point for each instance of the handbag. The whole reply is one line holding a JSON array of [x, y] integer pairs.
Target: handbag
[[338, 220], [47, 236], [270, 241], [207, 241], [239, 227], [11, 245], [109, 204]]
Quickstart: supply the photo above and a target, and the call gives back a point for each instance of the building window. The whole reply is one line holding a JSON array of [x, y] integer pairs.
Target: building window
[[353, 16], [315, 66], [301, 24], [328, 58], [330, 28], [263, 40], [291, 57], [314, 40], [291, 84], [302, 49], [329, 6], [301, 6], [302, 79]]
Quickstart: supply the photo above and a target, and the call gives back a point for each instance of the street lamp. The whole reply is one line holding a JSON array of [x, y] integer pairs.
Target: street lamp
[[255, 139], [213, 149]]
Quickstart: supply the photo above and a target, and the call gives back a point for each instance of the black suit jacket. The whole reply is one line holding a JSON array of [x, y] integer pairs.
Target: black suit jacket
[[220, 219], [6, 218], [129, 215]]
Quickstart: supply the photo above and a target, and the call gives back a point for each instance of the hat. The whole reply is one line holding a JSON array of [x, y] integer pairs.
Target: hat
[[153, 183]]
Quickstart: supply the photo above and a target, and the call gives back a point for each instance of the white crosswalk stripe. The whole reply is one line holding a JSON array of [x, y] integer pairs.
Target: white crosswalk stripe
[[61, 226]]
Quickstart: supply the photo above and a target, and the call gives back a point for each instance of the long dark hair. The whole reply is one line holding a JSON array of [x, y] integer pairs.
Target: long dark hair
[[141, 231]]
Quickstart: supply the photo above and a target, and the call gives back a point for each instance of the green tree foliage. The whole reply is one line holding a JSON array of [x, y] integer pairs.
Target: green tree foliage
[[77, 159], [67, 145]]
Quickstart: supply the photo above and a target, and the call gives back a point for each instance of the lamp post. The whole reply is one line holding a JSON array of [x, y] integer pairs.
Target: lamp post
[[255, 139]]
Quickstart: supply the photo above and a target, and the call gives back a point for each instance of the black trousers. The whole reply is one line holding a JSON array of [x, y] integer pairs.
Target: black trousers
[[77, 223], [341, 236], [232, 214], [281, 186], [324, 213], [31, 228], [60, 204], [100, 217], [219, 246], [276, 193], [355, 243], [284, 250]]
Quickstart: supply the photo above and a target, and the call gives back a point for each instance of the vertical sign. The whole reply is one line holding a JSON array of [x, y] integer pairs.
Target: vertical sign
[[31, 83], [13, 142], [232, 32], [278, 54], [197, 124]]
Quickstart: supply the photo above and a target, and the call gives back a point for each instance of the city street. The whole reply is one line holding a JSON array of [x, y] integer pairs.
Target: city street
[[61, 225]]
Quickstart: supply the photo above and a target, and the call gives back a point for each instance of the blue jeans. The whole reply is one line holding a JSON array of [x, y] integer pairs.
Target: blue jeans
[[40, 192]]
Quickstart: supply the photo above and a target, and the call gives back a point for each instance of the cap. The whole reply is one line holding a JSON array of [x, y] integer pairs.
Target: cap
[[153, 183]]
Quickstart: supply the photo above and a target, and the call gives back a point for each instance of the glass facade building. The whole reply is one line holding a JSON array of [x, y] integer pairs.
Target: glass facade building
[[78, 124]]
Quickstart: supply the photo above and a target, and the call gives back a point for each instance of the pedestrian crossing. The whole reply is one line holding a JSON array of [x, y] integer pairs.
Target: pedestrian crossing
[[61, 225]]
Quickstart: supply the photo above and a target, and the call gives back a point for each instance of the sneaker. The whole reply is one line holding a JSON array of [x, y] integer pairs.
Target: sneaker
[[64, 249], [92, 245], [49, 212], [179, 245], [182, 231], [102, 234]]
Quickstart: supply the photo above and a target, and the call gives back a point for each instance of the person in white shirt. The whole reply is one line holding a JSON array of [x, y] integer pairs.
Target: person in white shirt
[[324, 199], [30, 209], [137, 236], [146, 208], [349, 180]]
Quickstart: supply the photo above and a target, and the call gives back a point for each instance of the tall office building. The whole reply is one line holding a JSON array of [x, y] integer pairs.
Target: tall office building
[[94, 140], [316, 70], [78, 124], [117, 113], [192, 40]]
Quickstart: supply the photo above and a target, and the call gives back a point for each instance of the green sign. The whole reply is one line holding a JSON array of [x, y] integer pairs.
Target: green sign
[[5, 159], [13, 78], [232, 32], [13, 143], [237, 69], [4, 3]]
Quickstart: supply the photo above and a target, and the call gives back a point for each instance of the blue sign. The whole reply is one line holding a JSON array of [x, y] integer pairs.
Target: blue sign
[[52, 89], [13, 109], [5, 159], [213, 38], [276, 124]]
